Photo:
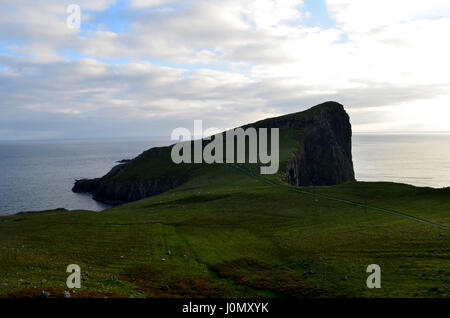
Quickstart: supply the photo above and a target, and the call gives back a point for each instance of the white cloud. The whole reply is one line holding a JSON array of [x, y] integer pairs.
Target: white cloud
[[366, 15], [231, 61], [148, 3]]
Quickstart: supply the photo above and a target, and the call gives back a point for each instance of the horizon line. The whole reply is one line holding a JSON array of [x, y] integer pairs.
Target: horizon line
[[167, 138]]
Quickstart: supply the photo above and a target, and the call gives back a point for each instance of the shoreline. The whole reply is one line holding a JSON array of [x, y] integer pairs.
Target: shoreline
[[300, 188]]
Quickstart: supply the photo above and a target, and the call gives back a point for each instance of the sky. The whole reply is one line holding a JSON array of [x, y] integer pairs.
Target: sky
[[140, 68]]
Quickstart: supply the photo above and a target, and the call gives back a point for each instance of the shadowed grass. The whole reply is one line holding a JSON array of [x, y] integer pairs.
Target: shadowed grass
[[224, 233]]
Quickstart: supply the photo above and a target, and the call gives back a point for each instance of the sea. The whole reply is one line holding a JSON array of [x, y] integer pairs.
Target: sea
[[39, 175]]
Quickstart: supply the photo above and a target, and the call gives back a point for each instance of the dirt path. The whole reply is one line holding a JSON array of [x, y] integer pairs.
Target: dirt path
[[290, 188]]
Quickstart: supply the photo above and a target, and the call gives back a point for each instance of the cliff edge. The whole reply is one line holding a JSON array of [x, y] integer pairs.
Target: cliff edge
[[323, 156]]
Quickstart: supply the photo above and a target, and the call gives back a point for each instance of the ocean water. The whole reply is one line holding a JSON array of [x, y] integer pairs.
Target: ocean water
[[420, 160], [37, 176]]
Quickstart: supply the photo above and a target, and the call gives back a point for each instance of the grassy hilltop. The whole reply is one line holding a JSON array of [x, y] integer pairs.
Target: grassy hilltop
[[229, 232]]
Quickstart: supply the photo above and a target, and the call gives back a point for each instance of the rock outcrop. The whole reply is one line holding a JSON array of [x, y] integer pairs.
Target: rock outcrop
[[324, 135], [123, 184], [116, 192], [324, 157]]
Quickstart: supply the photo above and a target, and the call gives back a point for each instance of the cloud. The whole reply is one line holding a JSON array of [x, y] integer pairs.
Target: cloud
[[148, 3], [363, 16], [228, 62]]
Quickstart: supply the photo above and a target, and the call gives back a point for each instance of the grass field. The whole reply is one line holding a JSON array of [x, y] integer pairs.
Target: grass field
[[227, 234], [230, 232]]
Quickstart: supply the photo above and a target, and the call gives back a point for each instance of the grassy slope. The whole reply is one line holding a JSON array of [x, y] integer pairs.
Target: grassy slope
[[232, 235]]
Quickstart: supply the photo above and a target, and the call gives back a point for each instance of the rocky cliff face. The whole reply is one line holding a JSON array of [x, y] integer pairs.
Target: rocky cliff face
[[118, 192], [113, 188], [324, 157]]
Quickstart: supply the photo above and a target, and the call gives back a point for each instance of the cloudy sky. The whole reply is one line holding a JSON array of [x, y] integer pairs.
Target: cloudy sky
[[144, 67]]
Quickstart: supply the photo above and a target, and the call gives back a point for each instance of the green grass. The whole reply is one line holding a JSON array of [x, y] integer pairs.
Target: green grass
[[230, 235]]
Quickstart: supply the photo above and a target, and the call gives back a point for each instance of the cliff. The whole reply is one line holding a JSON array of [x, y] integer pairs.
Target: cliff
[[323, 156], [135, 179]]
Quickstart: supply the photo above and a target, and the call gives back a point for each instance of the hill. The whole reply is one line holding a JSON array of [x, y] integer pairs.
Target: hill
[[227, 231], [315, 149]]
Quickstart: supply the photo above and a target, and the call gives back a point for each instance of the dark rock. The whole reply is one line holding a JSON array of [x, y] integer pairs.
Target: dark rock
[[324, 158], [111, 189], [65, 294], [44, 294], [165, 288], [434, 289], [124, 161]]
